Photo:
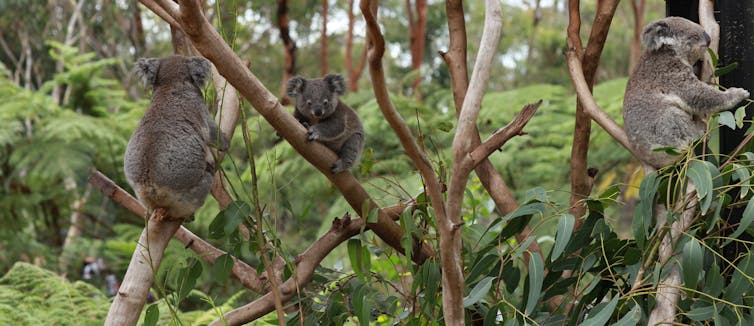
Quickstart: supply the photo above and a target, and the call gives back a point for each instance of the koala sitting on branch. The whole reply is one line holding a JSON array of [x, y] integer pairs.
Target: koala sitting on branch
[[168, 162], [666, 105], [327, 119]]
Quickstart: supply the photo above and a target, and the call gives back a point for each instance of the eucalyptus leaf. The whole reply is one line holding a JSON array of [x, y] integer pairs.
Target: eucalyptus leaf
[[478, 292], [565, 230], [536, 276], [601, 317], [693, 259], [152, 316]]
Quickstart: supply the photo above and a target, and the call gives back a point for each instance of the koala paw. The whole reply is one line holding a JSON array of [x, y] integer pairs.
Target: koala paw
[[312, 134], [740, 93], [338, 167]]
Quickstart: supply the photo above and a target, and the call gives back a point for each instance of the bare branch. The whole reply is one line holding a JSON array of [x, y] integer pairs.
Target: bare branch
[[168, 15], [245, 273], [581, 179], [502, 135], [450, 239], [710, 25]]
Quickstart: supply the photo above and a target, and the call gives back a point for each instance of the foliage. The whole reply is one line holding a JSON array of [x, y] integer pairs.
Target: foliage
[[33, 296]]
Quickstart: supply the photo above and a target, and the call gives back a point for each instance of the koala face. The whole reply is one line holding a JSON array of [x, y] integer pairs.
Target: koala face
[[155, 72], [686, 38], [316, 98]]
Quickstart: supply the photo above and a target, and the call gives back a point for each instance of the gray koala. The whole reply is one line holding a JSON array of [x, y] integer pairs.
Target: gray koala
[[327, 119], [168, 162], [665, 104]]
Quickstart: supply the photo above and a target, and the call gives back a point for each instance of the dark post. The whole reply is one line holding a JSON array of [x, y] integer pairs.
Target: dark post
[[736, 20], [688, 9]]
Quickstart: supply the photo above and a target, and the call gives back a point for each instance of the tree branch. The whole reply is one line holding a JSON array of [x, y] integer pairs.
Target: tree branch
[[581, 179], [164, 10], [243, 272], [209, 43], [502, 135], [341, 230], [450, 239]]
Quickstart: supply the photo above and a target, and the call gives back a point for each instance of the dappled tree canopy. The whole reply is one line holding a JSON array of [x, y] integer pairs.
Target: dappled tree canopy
[[485, 194]]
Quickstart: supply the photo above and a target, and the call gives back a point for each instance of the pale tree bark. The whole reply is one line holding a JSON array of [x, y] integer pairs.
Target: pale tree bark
[[582, 178], [491, 180], [710, 25], [637, 8], [323, 38], [76, 227]]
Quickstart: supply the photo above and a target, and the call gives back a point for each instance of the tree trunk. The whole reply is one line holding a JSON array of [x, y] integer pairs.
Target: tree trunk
[[417, 26], [145, 262], [637, 7], [289, 51], [323, 39], [353, 72]]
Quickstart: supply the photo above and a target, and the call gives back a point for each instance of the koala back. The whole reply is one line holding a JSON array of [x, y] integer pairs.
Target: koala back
[[167, 160]]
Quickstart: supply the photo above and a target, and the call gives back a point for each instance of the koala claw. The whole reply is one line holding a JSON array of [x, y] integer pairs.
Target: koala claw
[[312, 134], [337, 167], [742, 93]]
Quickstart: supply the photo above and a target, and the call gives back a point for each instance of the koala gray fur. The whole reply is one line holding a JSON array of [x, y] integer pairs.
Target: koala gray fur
[[168, 162], [665, 104], [327, 119]]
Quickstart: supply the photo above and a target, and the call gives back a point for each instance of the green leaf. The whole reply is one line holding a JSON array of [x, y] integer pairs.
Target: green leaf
[[645, 209], [726, 118], [632, 318], [478, 292], [187, 277], [744, 176], [702, 179], [483, 266], [724, 70], [373, 216], [701, 313], [536, 276], [713, 57], [152, 315], [693, 259], [537, 194], [599, 318], [361, 304], [565, 230], [229, 219], [740, 115], [354, 254], [746, 220], [221, 268]]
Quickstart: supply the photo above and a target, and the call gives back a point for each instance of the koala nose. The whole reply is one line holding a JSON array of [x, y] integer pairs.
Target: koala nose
[[707, 38], [318, 110]]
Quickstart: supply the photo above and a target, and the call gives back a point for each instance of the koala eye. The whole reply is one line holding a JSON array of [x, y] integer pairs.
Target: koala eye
[[308, 102], [326, 102]]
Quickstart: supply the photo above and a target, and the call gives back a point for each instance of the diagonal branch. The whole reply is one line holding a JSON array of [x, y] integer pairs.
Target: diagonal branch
[[501, 136], [246, 274], [211, 45], [164, 10]]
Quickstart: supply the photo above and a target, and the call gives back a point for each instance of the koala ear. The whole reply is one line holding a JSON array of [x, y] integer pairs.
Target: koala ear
[[146, 70], [336, 84], [295, 86], [199, 69], [656, 34]]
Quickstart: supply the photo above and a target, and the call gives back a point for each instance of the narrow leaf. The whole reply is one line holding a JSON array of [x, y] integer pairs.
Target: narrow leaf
[[746, 220], [702, 180], [536, 275], [478, 292], [693, 257], [565, 230], [601, 317], [221, 268], [744, 177], [632, 318]]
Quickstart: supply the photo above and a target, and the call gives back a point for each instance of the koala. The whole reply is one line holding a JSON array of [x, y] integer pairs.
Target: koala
[[327, 119], [168, 161], [665, 104]]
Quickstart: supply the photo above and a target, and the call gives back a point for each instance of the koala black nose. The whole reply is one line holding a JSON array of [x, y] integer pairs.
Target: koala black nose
[[707, 38], [318, 110]]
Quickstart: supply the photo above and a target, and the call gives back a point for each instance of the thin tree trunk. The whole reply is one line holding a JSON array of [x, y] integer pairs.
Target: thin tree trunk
[[289, 51], [145, 262], [637, 7], [323, 39], [416, 27], [77, 223]]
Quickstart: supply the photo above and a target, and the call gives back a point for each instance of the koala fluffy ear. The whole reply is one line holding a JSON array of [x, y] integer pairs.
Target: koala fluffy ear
[[336, 84], [199, 69], [146, 70], [656, 34], [295, 86]]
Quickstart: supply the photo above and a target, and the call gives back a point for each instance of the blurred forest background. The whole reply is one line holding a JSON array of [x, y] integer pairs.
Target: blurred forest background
[[69, 102]]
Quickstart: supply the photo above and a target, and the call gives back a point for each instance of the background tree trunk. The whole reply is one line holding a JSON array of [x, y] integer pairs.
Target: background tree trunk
[[289, 48], [323, 39]]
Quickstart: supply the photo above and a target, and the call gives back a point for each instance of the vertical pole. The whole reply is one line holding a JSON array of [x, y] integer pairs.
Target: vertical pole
[[736, 45]]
